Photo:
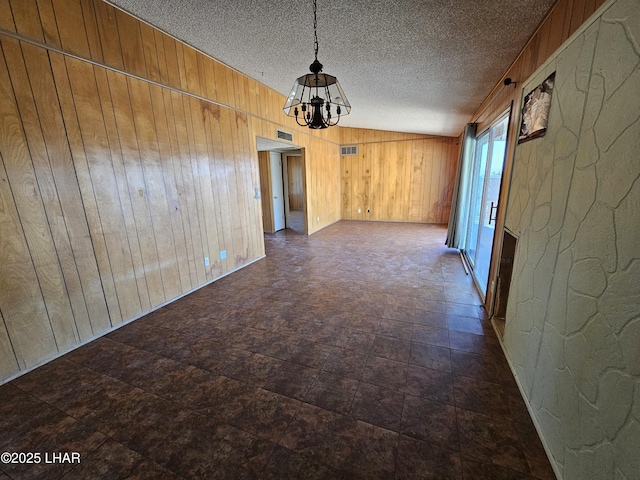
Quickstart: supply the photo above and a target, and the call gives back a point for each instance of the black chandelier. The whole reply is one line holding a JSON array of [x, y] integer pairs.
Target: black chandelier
[[317, 94]]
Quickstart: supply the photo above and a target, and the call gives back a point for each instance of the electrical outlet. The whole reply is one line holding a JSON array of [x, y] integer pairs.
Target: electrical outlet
[[206, 261], [359, 210], [318, 219], [223, 254]]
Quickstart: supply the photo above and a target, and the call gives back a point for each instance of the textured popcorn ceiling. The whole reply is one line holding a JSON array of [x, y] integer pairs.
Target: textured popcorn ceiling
[[405, 65]]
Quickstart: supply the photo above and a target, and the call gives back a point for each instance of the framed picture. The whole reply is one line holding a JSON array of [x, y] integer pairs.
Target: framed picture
[[535, 110]]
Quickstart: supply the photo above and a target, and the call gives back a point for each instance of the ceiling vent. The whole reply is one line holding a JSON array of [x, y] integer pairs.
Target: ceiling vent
[[284, 136], [349, 150]]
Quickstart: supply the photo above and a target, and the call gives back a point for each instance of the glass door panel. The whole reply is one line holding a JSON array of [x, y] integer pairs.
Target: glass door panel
[[491, 180], [475, 210], [486, 176]]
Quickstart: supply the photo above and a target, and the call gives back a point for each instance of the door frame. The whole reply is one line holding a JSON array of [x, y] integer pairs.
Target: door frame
[[277, 180], [264, 147]]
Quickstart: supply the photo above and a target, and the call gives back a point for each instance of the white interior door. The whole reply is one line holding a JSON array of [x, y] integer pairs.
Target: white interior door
[[277, 187]]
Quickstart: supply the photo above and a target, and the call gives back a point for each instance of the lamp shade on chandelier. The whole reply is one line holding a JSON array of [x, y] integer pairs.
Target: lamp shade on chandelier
[[316, 99]]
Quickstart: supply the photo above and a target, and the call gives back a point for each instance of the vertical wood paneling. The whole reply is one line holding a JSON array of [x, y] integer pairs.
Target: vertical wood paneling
[[48, 21], [108, 34], [191, 71], [9, 365], [198, 157], [131, 44], [171, 57], [27, 90], [91, 28], [68, 190], [121, 101], [27, 18], [71, 28], [200, 243], [228, 167], [6, 17], [204, 148], [174, 207], [23, 309], [118, 164], [243, 160], [98, 155], [28, 189], [184, 176], [89, 202], [21, 298], [294, 176], [150, 52], [222, 186], [155, 190], [161, 56], [577, 15], [396, 176]]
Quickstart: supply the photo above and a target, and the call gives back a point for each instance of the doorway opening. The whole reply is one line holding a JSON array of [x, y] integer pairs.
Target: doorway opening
[[282, 185], [486, 178]]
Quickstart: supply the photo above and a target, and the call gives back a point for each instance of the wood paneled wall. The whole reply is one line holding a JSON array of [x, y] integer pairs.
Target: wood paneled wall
[[397, 176], [296, 186], [126, 157], [562, 21]]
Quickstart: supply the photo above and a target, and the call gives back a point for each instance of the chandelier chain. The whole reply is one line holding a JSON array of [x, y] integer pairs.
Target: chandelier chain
[[315, 28]]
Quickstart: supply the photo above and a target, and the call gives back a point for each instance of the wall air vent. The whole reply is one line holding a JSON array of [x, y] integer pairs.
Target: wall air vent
[[349, 150], [284, 136]]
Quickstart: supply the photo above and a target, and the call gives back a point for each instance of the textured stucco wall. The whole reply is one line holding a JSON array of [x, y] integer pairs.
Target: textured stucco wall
[[573, 316]]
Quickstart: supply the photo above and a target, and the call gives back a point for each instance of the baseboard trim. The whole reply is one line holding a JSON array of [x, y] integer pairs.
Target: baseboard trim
[[545, 445]]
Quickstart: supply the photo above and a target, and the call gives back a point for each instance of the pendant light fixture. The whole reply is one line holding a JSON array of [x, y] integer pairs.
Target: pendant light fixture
[[316, 99]]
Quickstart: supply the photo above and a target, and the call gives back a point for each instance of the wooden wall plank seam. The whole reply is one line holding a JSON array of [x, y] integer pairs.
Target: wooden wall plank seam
[[101, 176], [6, 16], [210, 199], [155, 190], [66, 183], [220, 185], [103, 281], [26, 166], [131, 44], [31, 87], [165, 157], [9, 364], [192, 173], [91, 28], [124, 195], [21, 297], [71, 27], [108, 34], [183, 174], [27, 18], [122, 103]]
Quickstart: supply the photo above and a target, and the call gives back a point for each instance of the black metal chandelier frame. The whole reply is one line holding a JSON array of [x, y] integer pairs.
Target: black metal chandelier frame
[[314, 96]]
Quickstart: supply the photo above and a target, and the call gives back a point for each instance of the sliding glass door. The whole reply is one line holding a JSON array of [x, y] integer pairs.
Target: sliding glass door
[[485, 192]]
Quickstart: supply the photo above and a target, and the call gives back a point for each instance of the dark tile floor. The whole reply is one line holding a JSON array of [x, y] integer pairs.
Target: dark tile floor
[[359, 352]]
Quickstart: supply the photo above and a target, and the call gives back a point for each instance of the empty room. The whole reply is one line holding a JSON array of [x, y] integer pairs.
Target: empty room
[[320, 239]]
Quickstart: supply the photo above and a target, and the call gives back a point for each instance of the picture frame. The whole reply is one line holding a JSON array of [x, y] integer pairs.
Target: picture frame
[[535, 110]]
